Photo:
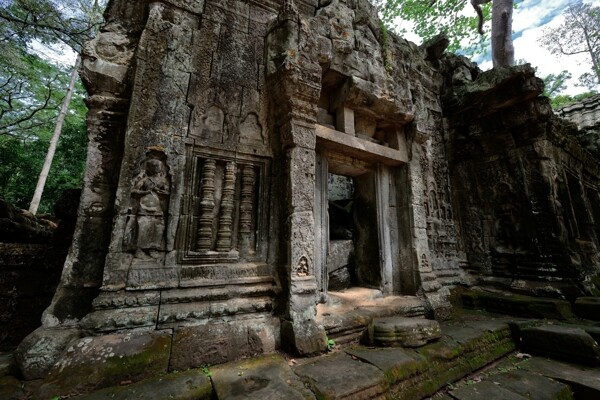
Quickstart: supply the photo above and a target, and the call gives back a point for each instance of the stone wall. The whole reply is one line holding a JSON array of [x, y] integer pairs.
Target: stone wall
[[29, 275], [526, 193], [586, 115], [211, 134], [214, 126], [32, 254]]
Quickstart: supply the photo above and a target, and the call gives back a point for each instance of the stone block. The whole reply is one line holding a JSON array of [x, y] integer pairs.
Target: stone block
[[93, 363], [341, 377], [188, 385], [588, 307], [339, 254], [304, 338], [340, 279], [561, 342], [532, 385], [583, 380], [120, 318], [193, 6], [483, 390], [397, 364], [267, 377], [38, 352], [517, 305], [217, 343], [404, 332]]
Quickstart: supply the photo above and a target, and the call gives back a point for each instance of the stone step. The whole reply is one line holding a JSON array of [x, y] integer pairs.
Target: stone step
[[346, 318], [584, 381], [403, 332], [399, 373], [588, 308], [569, 343], [518, 385], [517, 305]]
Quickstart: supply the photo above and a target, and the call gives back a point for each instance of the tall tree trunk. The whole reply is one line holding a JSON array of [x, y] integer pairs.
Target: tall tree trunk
[[503, 52], [39, 188]]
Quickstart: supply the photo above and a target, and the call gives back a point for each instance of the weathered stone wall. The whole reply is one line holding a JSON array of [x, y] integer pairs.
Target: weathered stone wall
[[204, 224], [208, 121], [526, 194], [586, 115], [32, 254], [29, 275]]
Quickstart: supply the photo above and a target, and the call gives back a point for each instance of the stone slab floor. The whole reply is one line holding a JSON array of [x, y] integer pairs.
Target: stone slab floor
[[477, 357]]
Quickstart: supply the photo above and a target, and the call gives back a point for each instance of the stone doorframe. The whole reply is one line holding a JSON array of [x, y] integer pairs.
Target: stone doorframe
[[339, 153]]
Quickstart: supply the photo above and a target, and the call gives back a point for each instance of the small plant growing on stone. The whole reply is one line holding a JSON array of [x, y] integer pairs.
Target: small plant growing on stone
[[206, 370], [330, 344]]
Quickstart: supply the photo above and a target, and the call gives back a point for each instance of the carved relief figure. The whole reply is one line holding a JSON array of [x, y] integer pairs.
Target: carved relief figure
[[145, 230], [210, 124], [507, 221], [302, 268]]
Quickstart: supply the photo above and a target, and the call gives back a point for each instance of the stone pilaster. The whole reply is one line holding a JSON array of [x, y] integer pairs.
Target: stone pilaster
[[294, 81]]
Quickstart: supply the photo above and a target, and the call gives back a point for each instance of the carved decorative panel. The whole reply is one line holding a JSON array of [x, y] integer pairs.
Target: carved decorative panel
[[224, 210]]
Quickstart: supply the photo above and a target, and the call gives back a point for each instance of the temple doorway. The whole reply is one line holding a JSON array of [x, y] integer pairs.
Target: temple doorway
[[350, 227]]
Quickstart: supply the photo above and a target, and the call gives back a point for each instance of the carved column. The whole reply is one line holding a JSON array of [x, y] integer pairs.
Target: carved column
[[246, 210], [294, 78], [207, 205], [224, 233]]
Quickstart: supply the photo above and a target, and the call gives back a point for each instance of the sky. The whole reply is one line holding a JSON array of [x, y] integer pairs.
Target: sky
[[529, 20]]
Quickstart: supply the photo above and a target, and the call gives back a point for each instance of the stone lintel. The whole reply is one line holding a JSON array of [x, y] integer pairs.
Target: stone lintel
[[362, 149], [368, 99]]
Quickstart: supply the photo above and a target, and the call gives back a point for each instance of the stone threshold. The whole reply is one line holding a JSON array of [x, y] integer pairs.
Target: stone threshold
[[347, 314]]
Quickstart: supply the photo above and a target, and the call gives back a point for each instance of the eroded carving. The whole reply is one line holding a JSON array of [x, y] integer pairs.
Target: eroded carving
[[302, 267], [210, 124], [251, 131], [145, 228]]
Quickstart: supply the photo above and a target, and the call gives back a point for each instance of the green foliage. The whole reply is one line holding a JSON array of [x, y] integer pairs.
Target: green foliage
[[433, 17], [206, 371], [21, 160], [71, 22], [32, 89], [555, 83], [578, 34], [561, 101], [330, 344]]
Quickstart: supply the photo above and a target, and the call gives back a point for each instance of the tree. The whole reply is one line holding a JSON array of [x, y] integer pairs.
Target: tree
[[29, 93], [435, 16], [430, 17], [554, 84], [21, 159], [578, 34], [39, 188]]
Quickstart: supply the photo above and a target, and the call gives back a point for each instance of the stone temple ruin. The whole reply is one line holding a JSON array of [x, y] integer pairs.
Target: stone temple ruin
[[250, 159]]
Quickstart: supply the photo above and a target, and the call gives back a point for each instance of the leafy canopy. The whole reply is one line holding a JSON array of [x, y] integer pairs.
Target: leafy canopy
[[578, 34], [456, 18], [32, 88]]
